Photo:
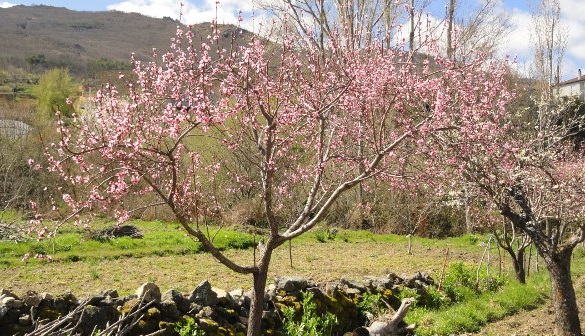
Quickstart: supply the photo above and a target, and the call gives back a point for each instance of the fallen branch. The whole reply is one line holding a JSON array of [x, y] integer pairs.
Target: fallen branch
[[387, 325]]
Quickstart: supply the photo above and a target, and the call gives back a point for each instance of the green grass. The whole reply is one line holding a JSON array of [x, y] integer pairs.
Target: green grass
[[474, 313], [160, 239], [94, 260], [71, 244]]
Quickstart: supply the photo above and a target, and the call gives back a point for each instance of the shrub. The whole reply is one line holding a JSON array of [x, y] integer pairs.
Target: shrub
[[310, 322], [189, 328]]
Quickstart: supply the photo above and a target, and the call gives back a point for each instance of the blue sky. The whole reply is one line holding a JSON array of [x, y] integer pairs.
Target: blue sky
[[516, 44]]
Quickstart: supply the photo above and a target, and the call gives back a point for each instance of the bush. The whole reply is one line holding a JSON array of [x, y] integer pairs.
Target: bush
[[459, 283], [189, 328], [310, 322]]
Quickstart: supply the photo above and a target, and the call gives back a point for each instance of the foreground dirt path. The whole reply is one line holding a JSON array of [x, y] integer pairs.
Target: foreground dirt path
[[537, 322]]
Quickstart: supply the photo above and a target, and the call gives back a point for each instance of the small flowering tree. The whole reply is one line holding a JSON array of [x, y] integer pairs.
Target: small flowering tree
[[302, 118], [536, 181]]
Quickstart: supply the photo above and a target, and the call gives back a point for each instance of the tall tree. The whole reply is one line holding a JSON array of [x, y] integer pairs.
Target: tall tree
[[359, 18], [549, 38], [303, 117], [473, 27]]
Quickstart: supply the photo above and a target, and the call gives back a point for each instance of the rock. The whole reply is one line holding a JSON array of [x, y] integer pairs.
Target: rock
[[7, 293], [352, 291], [418, 280], [24, 320], [208, 325], [223, 298], [8, 302], [395, 278], [292, 283], [379, 284], [149, 292], [168, 309], [355, 284], [17, 304], [177, 297], [65, 302], [331, 287], [3, 311], [32, 299], [97, 318], [237, 295], [270, 294], [203, 294], [207, 312], [110, 292], [46, 296]]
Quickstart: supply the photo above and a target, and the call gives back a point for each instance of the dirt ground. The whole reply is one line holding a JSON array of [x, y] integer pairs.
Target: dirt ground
[[537, 322]]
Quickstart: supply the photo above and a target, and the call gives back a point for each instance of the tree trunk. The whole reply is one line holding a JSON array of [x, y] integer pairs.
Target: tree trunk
[[563, 294], [519, 267], [258, 290]]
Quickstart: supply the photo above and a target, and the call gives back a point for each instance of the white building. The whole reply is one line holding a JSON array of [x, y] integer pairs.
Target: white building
[[573, 87]]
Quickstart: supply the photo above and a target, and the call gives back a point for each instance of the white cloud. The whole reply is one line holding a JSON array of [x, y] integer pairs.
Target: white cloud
[[6, 4], [573, 10], [517, 43], [225, 11]]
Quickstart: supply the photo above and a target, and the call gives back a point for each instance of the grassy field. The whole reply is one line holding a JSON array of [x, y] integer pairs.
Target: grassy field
[[167, 257]]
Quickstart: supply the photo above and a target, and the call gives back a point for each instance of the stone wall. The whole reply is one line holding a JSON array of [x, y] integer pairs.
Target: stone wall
[[217, 312]]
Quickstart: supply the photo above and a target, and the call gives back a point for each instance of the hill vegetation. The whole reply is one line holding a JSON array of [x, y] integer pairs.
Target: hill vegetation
[[89, 44]]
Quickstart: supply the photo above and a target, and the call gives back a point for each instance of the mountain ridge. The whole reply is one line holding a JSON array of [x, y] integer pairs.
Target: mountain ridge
[[57, 36]]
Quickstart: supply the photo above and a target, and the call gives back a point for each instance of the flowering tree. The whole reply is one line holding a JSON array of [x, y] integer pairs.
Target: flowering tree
[[316, 121], [536, 181]]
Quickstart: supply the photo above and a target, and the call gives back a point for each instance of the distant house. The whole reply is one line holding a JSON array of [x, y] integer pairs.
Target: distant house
[[574, 87], [14, 129]]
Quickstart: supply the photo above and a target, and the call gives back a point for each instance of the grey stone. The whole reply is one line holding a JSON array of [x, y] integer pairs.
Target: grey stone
[[270, 294], [24, 320], [65, 302], [97, 318], [17, 304], [292, 283], [224, 298], [177, 297], [7, 293], [379, 283], [8, 302], [3, 311], [32, 299], [110, 292], [203, 294], [237, 295], [331, 287], [168, 309], [355, 284], [149, 292]]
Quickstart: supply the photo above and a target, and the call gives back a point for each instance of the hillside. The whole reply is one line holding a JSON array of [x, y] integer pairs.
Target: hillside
[[39, 37]]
